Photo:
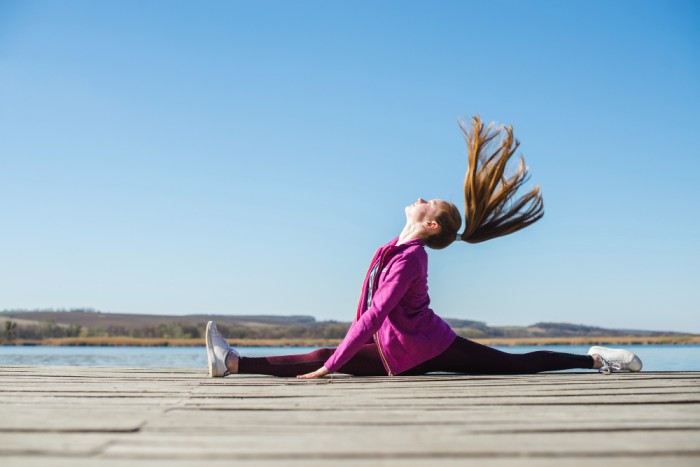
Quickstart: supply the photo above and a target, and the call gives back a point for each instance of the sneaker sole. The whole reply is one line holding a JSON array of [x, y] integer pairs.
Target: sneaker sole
[[210, 351]]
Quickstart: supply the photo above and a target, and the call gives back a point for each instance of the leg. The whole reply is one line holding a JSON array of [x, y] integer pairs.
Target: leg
[[223, 360], [366, 362], [465, 356]]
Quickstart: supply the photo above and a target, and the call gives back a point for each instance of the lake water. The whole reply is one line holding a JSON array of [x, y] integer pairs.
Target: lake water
[[654, 357]]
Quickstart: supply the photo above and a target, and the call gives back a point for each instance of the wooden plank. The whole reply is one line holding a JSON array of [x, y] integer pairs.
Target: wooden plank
[[379, 442], [492, 419], [70, 461], [40, 418]]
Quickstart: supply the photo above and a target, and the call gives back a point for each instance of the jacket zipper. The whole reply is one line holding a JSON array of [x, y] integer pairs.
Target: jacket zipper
[[376, 334], [381, 354]]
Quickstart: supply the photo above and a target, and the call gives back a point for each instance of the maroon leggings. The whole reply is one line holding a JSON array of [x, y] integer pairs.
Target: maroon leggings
[[463, 356]]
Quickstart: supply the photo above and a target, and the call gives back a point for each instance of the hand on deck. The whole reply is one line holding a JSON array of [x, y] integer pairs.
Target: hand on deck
[[321, 372]]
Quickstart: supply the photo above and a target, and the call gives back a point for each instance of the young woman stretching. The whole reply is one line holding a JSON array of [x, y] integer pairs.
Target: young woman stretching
[[395, 332]]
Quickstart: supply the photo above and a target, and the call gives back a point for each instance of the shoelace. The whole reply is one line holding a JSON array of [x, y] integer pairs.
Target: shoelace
[[609, 367]]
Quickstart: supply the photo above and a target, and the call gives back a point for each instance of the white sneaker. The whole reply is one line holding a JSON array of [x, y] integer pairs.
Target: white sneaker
[[217, 351], [616, 359]]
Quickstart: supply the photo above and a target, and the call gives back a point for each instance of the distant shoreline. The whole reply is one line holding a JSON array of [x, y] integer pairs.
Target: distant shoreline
[[122, 341]]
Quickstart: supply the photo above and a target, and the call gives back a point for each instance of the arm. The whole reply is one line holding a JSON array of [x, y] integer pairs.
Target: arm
[[401, 275]]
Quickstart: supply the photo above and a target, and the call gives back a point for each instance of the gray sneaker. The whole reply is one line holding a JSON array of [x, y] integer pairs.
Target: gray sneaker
[[616, 359], [217, 351]]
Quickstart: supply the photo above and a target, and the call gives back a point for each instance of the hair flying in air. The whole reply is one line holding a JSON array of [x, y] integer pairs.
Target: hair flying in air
[[492, 207]]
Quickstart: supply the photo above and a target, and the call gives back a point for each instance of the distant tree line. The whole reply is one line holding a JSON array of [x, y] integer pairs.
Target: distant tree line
[[46, 329], [36, 325], [173, 330]]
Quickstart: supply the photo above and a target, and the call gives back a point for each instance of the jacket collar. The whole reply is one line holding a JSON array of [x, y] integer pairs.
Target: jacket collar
[[413, 241]]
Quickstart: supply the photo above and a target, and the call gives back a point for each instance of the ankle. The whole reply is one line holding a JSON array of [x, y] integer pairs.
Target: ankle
[[597, 362], [232, 362]]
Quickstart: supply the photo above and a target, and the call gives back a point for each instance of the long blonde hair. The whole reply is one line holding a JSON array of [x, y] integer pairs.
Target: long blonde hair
[[490, 203]]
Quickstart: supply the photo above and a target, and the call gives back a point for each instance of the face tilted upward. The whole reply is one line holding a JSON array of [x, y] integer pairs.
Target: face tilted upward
[[422, 210]]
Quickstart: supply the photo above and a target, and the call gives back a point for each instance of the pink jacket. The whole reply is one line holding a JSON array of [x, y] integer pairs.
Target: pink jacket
[[407, 332]]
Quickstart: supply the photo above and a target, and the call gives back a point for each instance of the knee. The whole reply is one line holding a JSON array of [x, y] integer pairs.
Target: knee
[[322, 354]]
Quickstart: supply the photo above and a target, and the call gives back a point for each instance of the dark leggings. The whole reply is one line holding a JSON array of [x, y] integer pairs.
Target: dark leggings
[[463, 356]]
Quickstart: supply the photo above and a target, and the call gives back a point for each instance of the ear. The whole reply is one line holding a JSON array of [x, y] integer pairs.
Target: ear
[[431, 226]]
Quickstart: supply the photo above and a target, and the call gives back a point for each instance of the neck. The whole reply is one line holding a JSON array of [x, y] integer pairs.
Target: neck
[[408, 233]]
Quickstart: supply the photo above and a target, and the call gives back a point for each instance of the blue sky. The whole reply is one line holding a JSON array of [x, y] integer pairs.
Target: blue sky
[[249, 157]]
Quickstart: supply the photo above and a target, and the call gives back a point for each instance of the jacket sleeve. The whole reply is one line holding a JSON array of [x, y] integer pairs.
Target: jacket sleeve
[[399, 278]]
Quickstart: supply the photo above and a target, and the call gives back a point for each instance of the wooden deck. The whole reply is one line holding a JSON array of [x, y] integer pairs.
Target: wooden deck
[[79, 416]]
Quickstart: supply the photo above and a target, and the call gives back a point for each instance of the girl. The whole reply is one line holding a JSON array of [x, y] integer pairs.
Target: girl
[[395, 332]]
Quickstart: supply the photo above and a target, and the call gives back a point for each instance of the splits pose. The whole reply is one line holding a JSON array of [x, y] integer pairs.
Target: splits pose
[[395, 332]]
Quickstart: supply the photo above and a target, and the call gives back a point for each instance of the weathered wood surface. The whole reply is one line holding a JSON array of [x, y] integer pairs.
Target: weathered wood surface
[[79, 416]]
